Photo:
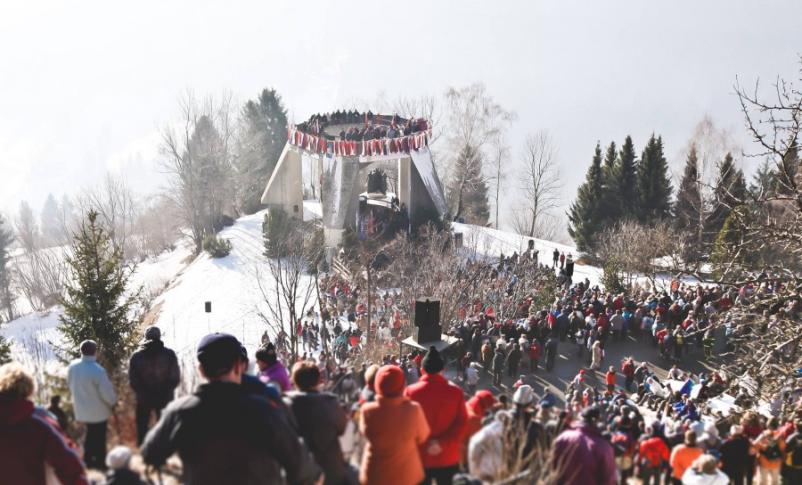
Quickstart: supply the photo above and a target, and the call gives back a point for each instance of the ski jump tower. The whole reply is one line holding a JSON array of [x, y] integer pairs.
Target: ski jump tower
[[371, 174]]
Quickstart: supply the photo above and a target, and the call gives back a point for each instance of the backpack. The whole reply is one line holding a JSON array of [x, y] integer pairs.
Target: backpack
[[772, 450]]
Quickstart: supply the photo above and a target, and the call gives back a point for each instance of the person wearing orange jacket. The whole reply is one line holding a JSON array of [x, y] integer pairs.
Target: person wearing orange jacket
[[443, 404]]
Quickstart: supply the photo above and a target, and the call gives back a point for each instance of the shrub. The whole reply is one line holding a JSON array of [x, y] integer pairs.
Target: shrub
[[216, 246]]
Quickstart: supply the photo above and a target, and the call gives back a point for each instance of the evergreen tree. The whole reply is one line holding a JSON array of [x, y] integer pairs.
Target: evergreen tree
[[654, 186], [764, 182], [263, 138], [689, 208], [49, 221], [626, 180], [468, 188], [610, 204], [583, 216], [96, 305], [6, 298], [787, 173], [730, 192]]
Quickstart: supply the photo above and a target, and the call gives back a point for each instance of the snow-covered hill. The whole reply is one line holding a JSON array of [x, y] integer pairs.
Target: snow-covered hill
[[489, 242], [230, 284]]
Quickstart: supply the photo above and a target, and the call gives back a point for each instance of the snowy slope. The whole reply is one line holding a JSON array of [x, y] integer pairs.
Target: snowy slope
[[229, 283], [490, 243], [33, 334]]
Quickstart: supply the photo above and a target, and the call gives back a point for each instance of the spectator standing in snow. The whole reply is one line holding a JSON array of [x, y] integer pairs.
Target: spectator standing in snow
[[321, 421], [555, 257], [27, 441], [582, 456], [154, 374], [443, 404], [394, 426], [224, 434], [271, 369], [93, 400]]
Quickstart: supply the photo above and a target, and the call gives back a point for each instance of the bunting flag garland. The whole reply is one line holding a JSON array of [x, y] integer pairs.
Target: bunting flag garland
[[351, 148]]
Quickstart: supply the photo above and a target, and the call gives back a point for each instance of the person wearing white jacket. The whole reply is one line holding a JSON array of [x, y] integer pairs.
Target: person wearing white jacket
[[93, 399]]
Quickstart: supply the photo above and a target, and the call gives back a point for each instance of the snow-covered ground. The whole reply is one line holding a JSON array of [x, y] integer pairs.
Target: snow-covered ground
[[489, 242], [34, 334]]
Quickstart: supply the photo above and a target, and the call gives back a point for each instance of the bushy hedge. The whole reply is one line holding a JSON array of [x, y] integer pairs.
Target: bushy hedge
[[216, 246]]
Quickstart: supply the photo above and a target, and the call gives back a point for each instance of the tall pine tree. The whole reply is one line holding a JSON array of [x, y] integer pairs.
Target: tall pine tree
[[730, 192], [610, 204], [583, 216], [689, 209], [263, 137], [96, 305], [764, 182], [468, 189], [626, 181], [654, 186]]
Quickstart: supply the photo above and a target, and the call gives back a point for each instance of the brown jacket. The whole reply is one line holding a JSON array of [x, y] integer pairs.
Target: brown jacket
[[393, 427]]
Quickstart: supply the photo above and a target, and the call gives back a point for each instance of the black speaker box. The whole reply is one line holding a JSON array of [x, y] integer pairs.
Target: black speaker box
[[427, 319]]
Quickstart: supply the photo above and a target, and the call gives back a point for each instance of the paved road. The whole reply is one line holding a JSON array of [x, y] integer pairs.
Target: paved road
[[568, 364]]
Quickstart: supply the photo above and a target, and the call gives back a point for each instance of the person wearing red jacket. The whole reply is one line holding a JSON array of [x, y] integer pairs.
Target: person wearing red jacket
[[534, 354], [653, 455], [476, 407], [28, 442], [443, 404]]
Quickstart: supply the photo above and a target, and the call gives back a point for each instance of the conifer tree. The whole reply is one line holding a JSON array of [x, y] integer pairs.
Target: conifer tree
[[468, 188], [610, 204], [96, 304], [729, 193], [264, 135], [764, 182], [654, 186], [626, 180], [6, 298], [690, 209], [583, 216]]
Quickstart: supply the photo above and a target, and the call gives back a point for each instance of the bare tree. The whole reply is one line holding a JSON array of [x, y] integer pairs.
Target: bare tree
[[475, 120], [40, 276], [27, 228], [117, 210], [197, 161], [540, 180], [500, 157], [287, 286]]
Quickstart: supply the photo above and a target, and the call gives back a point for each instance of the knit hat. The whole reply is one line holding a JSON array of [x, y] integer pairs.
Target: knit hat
[[432, 362], [524, 395], [485, 397], [118, 458], [218, 351], [390, 381]]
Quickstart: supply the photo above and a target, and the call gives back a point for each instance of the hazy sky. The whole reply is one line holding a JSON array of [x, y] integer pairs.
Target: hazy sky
[[86, 86]]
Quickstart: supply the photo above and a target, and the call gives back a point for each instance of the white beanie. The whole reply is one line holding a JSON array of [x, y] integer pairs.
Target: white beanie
[[118, 457]]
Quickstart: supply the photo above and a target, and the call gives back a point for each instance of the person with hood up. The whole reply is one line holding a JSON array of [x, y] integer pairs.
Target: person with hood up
[[394, 426], [154, 374], [581, 455], [28, 442], [443, 404], [271, 369]]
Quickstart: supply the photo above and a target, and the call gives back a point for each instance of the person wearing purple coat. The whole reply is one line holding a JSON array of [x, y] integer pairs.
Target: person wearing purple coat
[[582, 456], [270, 369]]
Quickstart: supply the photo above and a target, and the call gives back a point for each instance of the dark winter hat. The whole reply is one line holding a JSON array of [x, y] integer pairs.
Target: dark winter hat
[[153, 333], [432, 362], [390, 381], [218, 352]]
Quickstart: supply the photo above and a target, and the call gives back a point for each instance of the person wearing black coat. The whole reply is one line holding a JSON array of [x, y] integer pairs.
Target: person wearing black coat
[[224, 434], [321, 421], [154, 374]]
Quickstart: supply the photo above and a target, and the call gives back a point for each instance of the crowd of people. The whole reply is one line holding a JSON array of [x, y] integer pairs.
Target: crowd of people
[[331, 416], [373, 126]]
